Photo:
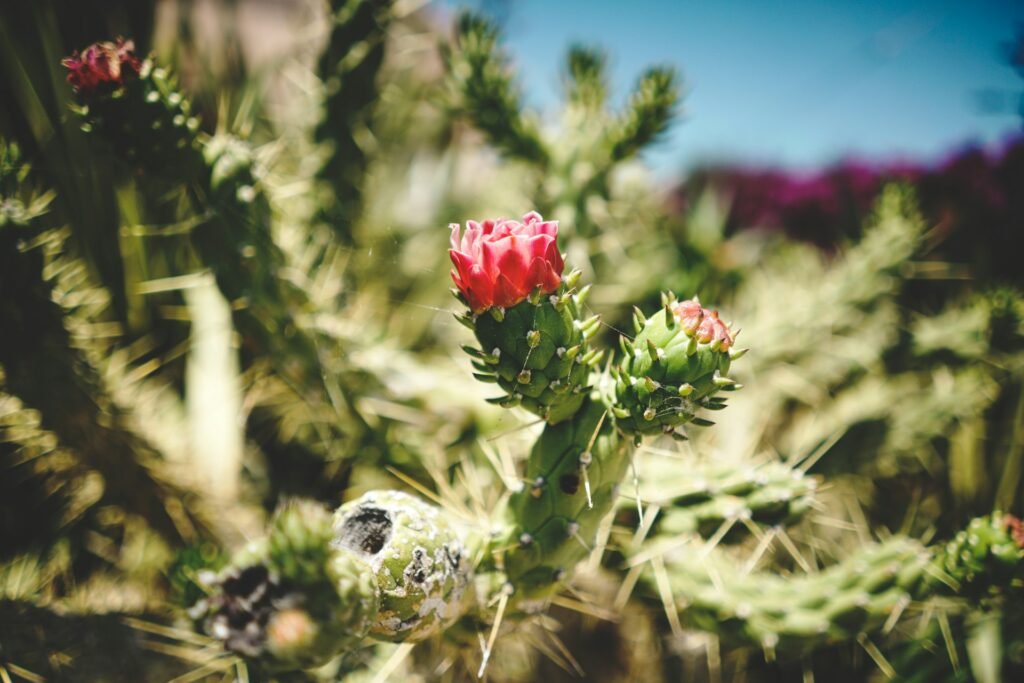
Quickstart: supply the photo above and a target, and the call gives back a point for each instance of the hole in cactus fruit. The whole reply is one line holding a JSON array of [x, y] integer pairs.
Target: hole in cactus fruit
[[366, 530]]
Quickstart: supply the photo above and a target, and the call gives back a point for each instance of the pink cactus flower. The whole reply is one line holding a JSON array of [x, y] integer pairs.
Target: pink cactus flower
[[705, 325], [1016, 528], [500, 263], [102, 66]]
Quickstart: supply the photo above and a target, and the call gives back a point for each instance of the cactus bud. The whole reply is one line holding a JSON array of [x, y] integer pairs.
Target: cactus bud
[[102, 67], [685, 364]]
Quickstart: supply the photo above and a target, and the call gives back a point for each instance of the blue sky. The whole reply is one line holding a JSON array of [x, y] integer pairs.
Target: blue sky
[[794, 82]]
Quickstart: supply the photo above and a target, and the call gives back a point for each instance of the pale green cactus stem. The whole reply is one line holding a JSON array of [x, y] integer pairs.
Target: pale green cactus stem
[[721, 498], [864, 593], [538, 351]]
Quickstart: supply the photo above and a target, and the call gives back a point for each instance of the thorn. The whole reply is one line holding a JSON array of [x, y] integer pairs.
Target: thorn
[[653, 350], [593, 357], [590, 325], [720, 381], [489, 379], [467, 319], [537, 487], [573, 278], [670, 316], [581, 297], [620, 413], [626, 345], [506, 591], [691, 346], [701, 422], [572, 352], [639, 320], [736, 354], [473, 351]]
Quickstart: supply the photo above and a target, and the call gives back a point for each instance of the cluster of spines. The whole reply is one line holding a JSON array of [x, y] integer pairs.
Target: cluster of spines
[[661, 384], [538, 351]]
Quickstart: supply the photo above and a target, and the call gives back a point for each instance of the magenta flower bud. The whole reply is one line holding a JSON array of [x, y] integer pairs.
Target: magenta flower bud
[[500, 263]]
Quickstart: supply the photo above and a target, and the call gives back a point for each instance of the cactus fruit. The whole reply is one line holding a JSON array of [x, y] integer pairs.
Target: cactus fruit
[[291, 601], [526, 317], [421, 565], [675, 366], [986, 559], [572, 477], [709, 495]]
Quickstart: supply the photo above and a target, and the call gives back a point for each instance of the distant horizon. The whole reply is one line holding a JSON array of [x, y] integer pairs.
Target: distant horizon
[[798, 85]]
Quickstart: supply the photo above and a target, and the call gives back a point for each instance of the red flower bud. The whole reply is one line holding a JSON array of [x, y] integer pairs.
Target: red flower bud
[[103, 65], [499, 263], [705, 325]]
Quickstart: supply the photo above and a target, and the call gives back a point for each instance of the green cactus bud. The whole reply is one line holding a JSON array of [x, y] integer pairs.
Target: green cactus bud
[[680, 359], [292, 601], [420, 564], [986, 559]]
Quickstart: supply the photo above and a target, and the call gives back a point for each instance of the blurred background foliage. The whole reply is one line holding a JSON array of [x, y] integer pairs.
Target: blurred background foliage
[[161, 391]]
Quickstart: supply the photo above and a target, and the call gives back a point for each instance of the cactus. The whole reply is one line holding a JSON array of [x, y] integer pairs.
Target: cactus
[[986, 559]]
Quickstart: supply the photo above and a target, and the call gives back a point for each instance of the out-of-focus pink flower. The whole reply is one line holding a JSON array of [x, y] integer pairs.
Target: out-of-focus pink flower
[[701, 323], [499, 263], [1016, 528], [104, 65]]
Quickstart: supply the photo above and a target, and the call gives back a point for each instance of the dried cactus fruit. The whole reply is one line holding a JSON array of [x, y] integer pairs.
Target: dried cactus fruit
[[420, 563]]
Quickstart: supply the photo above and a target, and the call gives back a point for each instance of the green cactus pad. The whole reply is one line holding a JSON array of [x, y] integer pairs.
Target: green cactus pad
[[667, 375], [538, 352], [419, 562]]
